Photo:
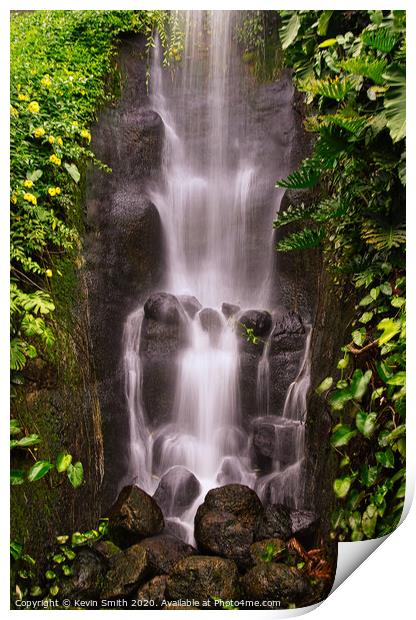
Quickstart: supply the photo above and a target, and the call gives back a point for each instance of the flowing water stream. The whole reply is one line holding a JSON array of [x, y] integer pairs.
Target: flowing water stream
[[217, 202]]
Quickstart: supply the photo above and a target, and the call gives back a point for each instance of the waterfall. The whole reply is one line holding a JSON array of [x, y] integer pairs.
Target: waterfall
[[216, 199]]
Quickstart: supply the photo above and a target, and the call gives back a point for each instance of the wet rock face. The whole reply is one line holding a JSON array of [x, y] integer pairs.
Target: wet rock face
[[177, 491], [211, 322], [143, 140], [274, 522], [190, 304], [268, 550], [229, 310], [275, 439], [164, 552], [153, 590], [134, 516], [202, 577], [305, 527], [88, 571], [128, 571], [275, 581], [225, 523], [260, 321], [164, 334]]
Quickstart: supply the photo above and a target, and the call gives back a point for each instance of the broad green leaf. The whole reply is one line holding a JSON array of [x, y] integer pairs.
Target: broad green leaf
[[289, 31], [63, 461], [323, 23], [369, 424], [328, 43], [398, 302], [369, 475], [17, 476], [395, 101], [369, 520], [366, 317], [359, 383], [34, 175], [38, 470], [386, 289], [338, 399], [50, 575], [359, 336], [341, 435], [25, 442], [76, 474], [16, 549], [343, 362], [14, 427], [73, 171], [325, 385], [390, 329], [398, 379], [342, 486]]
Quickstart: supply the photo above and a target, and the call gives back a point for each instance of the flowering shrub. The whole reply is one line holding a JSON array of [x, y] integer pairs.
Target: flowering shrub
[[60, 65]]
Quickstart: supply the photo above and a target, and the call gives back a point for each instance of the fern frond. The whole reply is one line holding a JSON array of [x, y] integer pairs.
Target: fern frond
[[302, 240], [336, 88], [306, 176], [382, 39], [330, 145], [294, 213], [383, 237], [366, 67], [353, 123]]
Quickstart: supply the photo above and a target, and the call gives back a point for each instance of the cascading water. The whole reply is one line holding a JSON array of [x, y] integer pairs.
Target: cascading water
[[211, 199]]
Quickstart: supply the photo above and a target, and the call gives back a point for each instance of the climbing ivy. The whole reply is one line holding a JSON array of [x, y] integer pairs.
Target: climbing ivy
[[351, 67]]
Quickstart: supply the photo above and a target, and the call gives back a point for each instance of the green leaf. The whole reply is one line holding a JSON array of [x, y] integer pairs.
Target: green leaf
[[359, 383], [341, 435], [343, 362], [386, 458], [289, 31], [386, 289], [15, 428], [338, 399], [328, 43], [38, 470], [306, 176], [325, 385], [63, 461], [17, 476], [323, 23], [395, 101], [34, 175], [359, 336], [76, 474], [398, 379], [398, 302], [390, 329], [16, 549], [382, 39], [25, 442], [342, 486], [50, 575], [366, 317], [301, 240], [369, 520], [367, 67], [73, 171], [369, 475]]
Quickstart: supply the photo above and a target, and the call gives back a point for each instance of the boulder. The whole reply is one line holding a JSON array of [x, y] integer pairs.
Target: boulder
[[88, 570], [305, 527], [177, 491], [153, 590], [275, 581], [129, 569], [259, 321], [203, 577], [190, 304], [134, 516], [268, 550], [211, 322], [143, 134], [274, 522], [276, 439], [107, 550], [176, 528], [229, 310], [164, 308], [164, 552], [225, 523]]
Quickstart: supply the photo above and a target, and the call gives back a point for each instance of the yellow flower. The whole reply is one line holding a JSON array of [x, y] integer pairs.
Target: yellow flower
[[33, 107], [49, 273], [39, 132], [57, 190], [28, 183], [59, 141], [55, 160], [30, 198], [51, 139], [46, 81], [22, 97], [86, 134], [51, 191], [14, 198], [13, 111], [74, 123]]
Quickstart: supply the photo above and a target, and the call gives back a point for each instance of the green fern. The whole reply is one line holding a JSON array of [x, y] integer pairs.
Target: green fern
[[382, 39], [367, 67], [306, 176], [302, 240], [332, 143], [294, 213], [384, 237], [332, 88], [353, 123]]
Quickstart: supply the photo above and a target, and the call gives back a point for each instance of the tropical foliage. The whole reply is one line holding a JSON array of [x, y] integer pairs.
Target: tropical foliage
[[354, 84]]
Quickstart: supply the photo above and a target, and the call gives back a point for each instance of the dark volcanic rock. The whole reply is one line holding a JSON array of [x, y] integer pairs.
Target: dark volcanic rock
[[274, 522], [202, 577], [305, 527], [274, 581], [276, 438], [175, 528], [289, 333], [225, 523], [163, 335], [107, 550], [229, 310], [211, 322], [143, 134], [129, 569], [153, 590], [190, 304], [260, 321], [177, 491], [268, 550], [134, 516], [88, 572], [164, 552]]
